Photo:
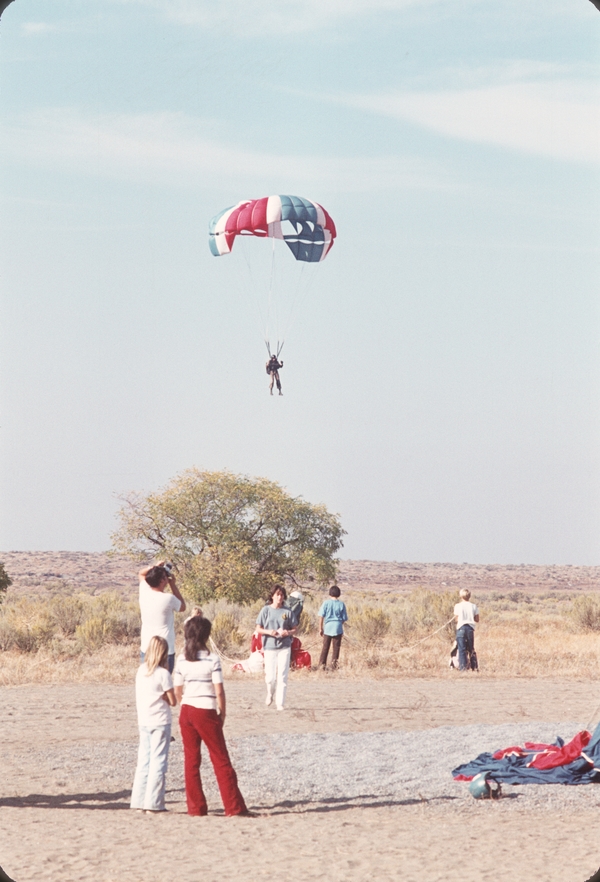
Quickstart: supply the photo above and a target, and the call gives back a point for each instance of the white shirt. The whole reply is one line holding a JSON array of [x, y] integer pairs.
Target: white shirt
[[466, 612], [198, 679], [157, 609], [152, 709]]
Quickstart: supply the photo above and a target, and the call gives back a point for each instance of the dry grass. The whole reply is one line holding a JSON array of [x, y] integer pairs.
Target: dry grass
[[110, 664], [83, 639]]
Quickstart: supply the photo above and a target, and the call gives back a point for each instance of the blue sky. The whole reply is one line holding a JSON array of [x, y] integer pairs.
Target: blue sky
[[442, 374]]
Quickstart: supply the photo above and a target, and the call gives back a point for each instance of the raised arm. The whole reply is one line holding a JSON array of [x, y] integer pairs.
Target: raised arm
[[176, 592], [144, 572]]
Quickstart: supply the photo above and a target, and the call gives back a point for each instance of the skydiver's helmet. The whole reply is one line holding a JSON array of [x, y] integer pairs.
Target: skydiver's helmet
[[484, 787]]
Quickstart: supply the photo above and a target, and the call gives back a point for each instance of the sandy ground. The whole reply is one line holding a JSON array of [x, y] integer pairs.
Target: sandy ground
[[81, 829]]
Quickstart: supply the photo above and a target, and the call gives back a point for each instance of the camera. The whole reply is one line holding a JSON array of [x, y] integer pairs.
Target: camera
[[169, 568]]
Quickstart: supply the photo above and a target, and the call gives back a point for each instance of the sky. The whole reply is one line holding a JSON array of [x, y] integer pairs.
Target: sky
[[441, 370]]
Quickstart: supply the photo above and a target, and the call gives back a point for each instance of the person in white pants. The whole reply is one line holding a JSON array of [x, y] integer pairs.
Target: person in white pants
[[277, 625]]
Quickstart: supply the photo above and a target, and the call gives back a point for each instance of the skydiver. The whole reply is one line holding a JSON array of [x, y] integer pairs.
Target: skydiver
[[273, 366]]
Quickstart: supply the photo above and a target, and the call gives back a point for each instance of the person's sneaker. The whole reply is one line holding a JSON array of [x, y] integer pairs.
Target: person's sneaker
[[280, 708], [269, 700]]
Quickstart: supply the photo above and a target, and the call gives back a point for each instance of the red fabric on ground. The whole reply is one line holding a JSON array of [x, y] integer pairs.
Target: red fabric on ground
[[301, 659], [561, 756]]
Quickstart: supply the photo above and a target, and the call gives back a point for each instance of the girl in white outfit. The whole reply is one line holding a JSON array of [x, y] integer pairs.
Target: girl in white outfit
[[154, 698]]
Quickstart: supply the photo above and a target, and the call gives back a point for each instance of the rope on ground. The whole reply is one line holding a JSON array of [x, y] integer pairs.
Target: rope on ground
[[592, 718], [409, 645], [234, 661], [412, 645]]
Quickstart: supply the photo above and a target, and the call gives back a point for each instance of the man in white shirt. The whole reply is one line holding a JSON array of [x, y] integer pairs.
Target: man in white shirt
[[158, 609], [466, 615]]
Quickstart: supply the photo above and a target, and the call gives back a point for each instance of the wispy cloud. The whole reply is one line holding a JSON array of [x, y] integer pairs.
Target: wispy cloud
[[558, 118], [174, 149], [265, 18], [33, 28], [271, 17]]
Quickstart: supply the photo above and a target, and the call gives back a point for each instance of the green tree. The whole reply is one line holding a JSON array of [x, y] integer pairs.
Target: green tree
[[230, 536], [5, 582]]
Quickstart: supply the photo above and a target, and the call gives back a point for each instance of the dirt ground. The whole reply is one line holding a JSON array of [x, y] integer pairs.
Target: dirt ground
[[75, 829]]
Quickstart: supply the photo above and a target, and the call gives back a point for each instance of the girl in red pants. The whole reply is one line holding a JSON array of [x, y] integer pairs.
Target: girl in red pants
[[198, 683]]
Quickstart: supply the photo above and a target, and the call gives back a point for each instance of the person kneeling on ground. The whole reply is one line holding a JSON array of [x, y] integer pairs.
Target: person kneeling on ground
[[466, 615], [199, 687], [332, 616]]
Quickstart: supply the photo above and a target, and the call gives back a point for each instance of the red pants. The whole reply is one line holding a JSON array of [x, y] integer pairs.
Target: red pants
[[198, 725]]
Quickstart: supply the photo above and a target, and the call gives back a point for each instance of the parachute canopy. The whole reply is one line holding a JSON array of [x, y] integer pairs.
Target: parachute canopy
[[305, 226], [4, 4]]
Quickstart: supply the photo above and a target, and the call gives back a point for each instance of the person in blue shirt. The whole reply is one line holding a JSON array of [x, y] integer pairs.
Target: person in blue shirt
[[332, 616]]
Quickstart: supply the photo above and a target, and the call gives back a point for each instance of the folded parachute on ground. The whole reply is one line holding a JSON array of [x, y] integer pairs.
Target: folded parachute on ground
[[577, 762], [305, 226]]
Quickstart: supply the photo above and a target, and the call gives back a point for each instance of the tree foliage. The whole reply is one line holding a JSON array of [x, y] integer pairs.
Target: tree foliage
[[230, 536], [5, 581]]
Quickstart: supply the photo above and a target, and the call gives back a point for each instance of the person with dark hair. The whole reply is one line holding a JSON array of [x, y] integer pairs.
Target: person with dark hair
[[277, 625], [157, 608], [198, 680], [332, 616], [273, 368]]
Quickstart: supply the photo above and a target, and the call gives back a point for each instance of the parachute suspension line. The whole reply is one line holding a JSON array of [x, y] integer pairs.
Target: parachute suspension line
[[302, 291], [250, 289], [271, 301], [296, 296]]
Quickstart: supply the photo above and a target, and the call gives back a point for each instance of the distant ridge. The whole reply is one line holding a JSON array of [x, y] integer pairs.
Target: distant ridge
[[41, 572]]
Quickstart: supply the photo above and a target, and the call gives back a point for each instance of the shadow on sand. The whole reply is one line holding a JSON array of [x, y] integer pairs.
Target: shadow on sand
[[341, 804], [118, 800]]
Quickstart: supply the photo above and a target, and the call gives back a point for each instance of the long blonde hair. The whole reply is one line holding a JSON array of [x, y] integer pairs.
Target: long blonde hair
[[157, 654]]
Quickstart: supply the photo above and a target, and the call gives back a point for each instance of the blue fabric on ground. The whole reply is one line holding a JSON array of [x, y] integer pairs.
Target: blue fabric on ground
[[513, 769]]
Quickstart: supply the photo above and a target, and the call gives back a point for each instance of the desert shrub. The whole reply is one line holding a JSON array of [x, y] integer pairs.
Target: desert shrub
[[67, 614], [585, 613], [519, 597], [95, 632], [308, 623], [5, 582], [26, 625], [425, 611], [226, 632], [123, 616], [370, 624], [107, 618], [6, 636]]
